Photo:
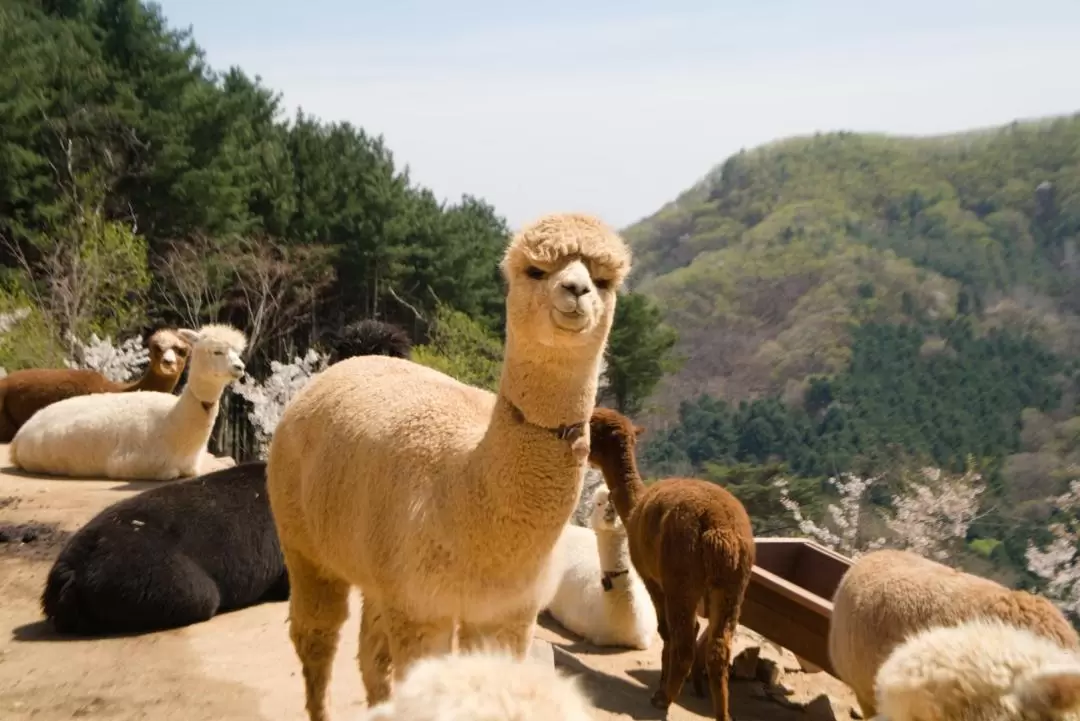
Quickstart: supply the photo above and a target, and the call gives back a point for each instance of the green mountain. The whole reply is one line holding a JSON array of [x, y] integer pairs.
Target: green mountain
[[859, 302], [767, 264]]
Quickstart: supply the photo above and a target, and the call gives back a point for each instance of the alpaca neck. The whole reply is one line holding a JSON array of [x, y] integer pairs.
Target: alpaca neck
[[153, 380], [613, 549], [622, 478], [192, 418], [550, 387]]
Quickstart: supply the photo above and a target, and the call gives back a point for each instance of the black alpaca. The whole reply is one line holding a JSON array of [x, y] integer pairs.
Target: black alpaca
[[169, 557]]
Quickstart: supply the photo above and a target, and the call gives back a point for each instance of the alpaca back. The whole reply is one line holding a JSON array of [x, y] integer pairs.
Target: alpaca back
[[980, 670], [24, 392], [119, 435], [621, 616], [483, 687], [887, 595]]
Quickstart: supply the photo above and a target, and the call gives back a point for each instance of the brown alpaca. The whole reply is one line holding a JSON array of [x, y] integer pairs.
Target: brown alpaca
[[25, 392], [692, 543]]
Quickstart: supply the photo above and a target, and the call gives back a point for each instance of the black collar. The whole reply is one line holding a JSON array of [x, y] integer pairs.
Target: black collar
[[608, 575], [564, 432]]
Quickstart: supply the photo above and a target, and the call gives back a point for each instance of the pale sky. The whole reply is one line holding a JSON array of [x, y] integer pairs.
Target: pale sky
[[615, 106]]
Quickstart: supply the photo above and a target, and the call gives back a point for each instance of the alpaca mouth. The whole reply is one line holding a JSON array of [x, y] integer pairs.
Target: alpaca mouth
[[575, 321]]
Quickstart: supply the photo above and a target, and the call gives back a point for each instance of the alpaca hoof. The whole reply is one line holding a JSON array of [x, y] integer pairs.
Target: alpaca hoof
[[660, 700]]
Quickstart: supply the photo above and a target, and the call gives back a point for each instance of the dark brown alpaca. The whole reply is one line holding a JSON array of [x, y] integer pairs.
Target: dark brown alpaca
[[693, 546], [23, 393]]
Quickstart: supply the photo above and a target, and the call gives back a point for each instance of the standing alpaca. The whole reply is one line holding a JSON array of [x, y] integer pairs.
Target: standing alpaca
[[443, 502], [693, 545], [25, 392], [147, 435], [601, 597]]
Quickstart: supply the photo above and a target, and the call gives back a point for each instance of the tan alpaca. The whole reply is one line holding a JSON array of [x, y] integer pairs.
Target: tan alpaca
[[440, 501]]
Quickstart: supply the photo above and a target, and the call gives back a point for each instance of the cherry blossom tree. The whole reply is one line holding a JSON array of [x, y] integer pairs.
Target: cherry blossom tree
[[269, 397], [1058, 564], [930, 517]]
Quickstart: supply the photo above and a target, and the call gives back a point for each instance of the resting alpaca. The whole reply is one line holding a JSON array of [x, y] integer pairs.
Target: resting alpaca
[[601, 597], [888, 595], [980, 670], [483, 687], [440, 501], [147, 435], [692, 543], [170, 556], [23, 393]]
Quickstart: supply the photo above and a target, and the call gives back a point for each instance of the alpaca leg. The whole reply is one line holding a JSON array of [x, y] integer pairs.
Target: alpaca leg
[[657, 596], [678, 648], [318, 607], [513, 634], [374, 656], [411, 639], [723, 620]]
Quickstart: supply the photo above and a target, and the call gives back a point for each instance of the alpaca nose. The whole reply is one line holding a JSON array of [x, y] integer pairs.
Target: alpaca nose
[[238, 367], [576, 288]]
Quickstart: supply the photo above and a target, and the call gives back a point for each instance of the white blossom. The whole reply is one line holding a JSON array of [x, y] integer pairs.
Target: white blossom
[[1058, 563], [117, 363], [927, 518], [269, 398]]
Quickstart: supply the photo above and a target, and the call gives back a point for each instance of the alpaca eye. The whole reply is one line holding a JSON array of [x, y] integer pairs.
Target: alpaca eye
[[535, 273], [219, 352], [602, 283]]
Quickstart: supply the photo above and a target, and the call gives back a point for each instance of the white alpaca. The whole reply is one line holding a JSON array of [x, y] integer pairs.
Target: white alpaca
[[144, 435], [601, 597], [483, 686], [979, 670]]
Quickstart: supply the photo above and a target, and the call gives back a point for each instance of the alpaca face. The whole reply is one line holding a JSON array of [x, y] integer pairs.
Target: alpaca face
[[168, 353], [216, 352], [604, 516], [563, 273]]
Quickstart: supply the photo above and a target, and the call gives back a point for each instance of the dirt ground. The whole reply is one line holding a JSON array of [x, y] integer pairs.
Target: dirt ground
[[241, 665]]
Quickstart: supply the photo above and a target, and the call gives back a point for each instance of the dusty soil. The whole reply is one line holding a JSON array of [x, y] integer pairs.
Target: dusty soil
[[240, 665]]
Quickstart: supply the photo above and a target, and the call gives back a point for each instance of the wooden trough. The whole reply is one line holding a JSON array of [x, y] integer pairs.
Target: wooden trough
[[789, 600]]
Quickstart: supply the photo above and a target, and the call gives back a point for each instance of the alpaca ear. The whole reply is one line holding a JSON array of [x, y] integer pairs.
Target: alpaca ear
[[1050, 692], [638, 430], [190, 337]]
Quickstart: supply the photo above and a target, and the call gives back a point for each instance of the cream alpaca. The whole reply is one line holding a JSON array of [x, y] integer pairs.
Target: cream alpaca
[[440, 501], [980, 670], [601, 597], [145, 435], [886, 596], [483, 687]]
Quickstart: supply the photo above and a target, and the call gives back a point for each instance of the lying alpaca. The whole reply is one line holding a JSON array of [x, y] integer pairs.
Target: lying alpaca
[[23, 393], [979, 670], [600, 597], [170, 556], [147, 435], [483, 687], [888, 595], [692, 543], [443, 502]]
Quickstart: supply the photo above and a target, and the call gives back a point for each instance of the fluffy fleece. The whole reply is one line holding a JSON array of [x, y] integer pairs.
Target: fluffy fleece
[[979, 670], [25, 392], [601, 597], [889, 595], [693, 545], [146, 435], [483, 687], [170, 556], [443, 502]]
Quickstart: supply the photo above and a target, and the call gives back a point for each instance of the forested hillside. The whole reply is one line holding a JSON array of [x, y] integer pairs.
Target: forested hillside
[[138, 185], [863, 303]]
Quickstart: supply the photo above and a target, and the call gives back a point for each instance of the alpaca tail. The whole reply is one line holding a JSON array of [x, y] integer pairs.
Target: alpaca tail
[[727, 556], [60, 599]]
